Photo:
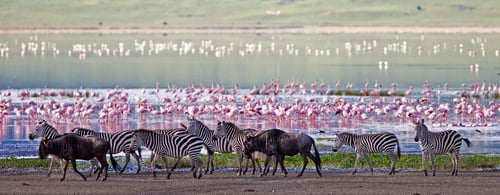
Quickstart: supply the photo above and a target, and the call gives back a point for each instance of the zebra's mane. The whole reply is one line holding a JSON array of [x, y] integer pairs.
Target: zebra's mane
[[43, 124], [83, 129], [231, 125], [348, 137], [199, 127]]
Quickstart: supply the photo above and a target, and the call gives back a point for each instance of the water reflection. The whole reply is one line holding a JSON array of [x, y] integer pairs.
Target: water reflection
[[111, 60]]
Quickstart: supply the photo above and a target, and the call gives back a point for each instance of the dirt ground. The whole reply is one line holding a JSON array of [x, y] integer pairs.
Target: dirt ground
[[226, 182]]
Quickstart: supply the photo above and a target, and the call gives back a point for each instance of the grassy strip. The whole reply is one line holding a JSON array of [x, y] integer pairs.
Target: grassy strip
[[334, 160]]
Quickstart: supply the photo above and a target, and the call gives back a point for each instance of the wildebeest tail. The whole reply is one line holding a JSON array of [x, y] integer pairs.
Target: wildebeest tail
[[316, 154]]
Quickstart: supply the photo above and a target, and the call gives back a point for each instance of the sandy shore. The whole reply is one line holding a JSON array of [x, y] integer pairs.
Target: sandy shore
[[404, 182]]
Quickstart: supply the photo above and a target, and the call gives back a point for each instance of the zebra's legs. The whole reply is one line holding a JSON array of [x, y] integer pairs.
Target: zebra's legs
[[358, 155], [210, 161], [454, 162], [165, 161], [127, 160], [393, 163], [153, 165], [62, 162], [240, 159], [246, 166], [138, 159], [198, 166], [423, 163], [433, 166], [51, 163], [365, 156], [93, 163]]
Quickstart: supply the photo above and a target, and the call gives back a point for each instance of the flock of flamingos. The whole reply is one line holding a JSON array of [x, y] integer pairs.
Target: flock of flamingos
[[275, 104]]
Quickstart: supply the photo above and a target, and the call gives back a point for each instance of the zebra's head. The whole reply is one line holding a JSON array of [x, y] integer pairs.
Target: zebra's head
[[39, 130], [337, 142], [419, 129], [193, 126], [220, 130], [135, 142]]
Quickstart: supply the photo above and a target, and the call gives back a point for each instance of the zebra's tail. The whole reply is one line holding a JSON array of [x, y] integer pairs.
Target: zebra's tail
[[316, 154], [113, 161], [467, 141], [399, 150]]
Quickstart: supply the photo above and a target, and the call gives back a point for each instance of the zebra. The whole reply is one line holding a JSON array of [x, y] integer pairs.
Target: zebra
[[176, 146], [236, 137], [119, 142], [175, 131], [369, 143], [444, 142], [47, 132], [220, 145]]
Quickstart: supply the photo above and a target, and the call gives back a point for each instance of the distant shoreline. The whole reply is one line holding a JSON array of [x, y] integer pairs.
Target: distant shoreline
[[257, 29]]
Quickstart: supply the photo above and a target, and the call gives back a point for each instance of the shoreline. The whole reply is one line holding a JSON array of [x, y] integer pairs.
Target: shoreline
[[256, 29]]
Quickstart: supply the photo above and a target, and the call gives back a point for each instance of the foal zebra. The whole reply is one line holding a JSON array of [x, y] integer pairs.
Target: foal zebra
[[119, 142], [369, 143], [236, 137], [48, 132], [444, 142], [176, 146]]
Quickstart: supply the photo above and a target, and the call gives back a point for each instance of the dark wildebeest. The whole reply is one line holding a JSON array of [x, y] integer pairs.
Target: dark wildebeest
[[279, 143], [71, 147]]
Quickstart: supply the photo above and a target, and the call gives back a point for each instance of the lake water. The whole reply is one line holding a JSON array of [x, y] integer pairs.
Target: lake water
[[75, 69]]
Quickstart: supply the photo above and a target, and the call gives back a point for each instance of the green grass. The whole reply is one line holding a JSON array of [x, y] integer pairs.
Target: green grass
[[164, 14], [332, 160]]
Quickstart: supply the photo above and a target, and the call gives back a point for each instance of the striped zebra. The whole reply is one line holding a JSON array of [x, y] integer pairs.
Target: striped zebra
[[176, 146], [220, 145], [175, 131], [47, 132], [364, 144], [444, 142], [119, 142], [236, 137]]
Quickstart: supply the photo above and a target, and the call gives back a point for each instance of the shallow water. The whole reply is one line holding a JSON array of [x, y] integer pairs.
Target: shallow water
[[15, 129]]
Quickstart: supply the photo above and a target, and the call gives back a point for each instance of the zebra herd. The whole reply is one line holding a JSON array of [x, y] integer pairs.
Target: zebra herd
[[227, 138]]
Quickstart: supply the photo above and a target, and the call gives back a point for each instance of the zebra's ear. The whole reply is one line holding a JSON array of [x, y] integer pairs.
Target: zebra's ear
[[422, 121], [183, 126]]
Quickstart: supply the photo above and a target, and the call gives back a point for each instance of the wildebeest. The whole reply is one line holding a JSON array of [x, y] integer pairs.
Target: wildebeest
[[279, 143], [71, 147], [46, 132]]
